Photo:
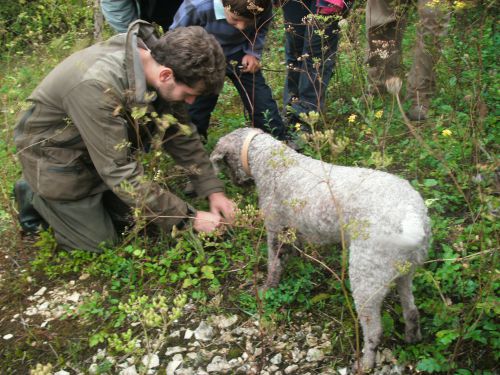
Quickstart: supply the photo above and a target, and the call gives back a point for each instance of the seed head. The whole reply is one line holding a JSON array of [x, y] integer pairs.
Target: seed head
[[393, 85]]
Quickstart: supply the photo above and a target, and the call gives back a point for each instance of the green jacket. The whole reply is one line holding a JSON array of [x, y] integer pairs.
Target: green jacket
[[78, 138]]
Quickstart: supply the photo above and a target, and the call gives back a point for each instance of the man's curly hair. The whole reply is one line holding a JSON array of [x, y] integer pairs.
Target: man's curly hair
[[194, 56], [247, 8]]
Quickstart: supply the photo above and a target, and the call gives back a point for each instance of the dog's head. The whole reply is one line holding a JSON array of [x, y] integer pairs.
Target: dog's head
[[227, 153]]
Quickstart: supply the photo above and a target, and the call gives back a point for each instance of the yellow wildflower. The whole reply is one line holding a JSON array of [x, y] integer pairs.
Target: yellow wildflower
[[433, 3], [352, 118], [459, 5], [379, 114], [446, 133]]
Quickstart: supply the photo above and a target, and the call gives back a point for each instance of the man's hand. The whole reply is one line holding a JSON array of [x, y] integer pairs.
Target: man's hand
[[250, 64], [206, 221], [221, 205]]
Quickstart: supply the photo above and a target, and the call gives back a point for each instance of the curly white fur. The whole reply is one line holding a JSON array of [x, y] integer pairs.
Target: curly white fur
[[382, 220]]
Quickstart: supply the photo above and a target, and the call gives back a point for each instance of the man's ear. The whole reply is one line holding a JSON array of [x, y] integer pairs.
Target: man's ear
[[166, 74]]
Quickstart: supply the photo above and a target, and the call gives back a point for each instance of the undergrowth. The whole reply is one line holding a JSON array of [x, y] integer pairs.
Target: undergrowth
[[144, 283]]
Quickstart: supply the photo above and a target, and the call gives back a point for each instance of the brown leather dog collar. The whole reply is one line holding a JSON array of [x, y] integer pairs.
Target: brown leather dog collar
[[244, 149]]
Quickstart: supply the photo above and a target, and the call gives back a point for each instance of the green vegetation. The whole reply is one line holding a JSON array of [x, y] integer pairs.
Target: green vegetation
[[136, 290]]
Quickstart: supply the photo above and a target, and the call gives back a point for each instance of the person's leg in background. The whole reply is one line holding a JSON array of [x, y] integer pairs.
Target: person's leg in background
[[293, 13], [431, 28], [257, 98], [314, 63], [385, 25], [200, 112]]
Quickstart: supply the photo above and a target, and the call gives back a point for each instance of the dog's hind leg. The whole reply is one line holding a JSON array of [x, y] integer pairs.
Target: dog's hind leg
[[370, 284], [410, 312]]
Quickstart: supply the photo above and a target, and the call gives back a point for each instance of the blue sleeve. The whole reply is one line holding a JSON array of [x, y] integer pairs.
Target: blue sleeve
[[187, 15], [255, 47], [119, 13]]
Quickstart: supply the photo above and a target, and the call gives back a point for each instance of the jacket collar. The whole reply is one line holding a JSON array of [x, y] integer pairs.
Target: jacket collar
[[219, 10], [135, 70]]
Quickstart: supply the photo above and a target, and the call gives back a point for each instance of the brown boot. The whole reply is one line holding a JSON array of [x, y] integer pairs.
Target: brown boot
[[419, 108]]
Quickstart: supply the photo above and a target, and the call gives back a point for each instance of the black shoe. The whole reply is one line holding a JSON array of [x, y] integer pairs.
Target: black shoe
[[29, 218]]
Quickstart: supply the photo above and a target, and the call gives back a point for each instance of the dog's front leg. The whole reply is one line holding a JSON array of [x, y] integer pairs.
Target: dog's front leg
[[277, 253]]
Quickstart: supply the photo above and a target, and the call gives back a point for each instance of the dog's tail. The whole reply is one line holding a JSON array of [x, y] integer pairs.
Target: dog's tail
[[415, 234]]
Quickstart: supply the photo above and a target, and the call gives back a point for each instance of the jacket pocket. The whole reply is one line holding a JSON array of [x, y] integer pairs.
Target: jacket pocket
[[65, 181], [21, 123]]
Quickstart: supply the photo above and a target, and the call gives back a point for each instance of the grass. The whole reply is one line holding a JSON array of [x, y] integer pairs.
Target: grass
[[453, 163]]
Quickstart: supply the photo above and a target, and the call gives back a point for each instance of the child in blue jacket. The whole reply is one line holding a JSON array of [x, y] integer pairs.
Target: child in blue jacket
[[240, 26]]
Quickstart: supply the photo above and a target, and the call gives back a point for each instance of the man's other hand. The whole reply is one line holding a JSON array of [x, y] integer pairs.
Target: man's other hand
[[222, 206]]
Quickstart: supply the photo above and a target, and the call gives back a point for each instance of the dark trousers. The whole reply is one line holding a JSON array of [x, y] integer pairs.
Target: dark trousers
[[83, 224], [310, 58], [255, 94]]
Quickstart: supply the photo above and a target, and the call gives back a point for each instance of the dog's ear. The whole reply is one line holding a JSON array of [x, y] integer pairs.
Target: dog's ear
[[217, 157]]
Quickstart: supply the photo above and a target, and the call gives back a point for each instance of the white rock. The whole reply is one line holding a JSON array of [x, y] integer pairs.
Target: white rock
[[62, 372], [151, 361], [235, 362], [172, 366], [342, 371], [111, 360], [277, 359], [314, 355], [273, 368], [185, 371], [131, 370], [218, 364], [244, 331], [94, 369], [204, 332], [311, 340], [41, 291], [43, 306], [291, 369], [74, 297], [84, 276], [58, 312], [188, 334], [297, 355], [223, 322], [123, 365], [227, 337], [8, 336], [175, 334], [192, 356], [174, 350]]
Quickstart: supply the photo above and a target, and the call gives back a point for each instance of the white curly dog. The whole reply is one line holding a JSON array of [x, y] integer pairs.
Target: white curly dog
[[379, 217]]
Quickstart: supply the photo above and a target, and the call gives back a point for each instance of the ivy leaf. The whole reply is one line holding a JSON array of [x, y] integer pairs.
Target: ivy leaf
[[429, 182], [429, 365], [208, 272], [447, 336]]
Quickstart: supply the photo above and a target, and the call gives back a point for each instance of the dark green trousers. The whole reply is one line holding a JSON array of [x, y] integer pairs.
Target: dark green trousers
[[85, 224]]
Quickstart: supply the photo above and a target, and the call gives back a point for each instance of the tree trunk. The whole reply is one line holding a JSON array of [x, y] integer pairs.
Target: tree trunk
[[98, 21]]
